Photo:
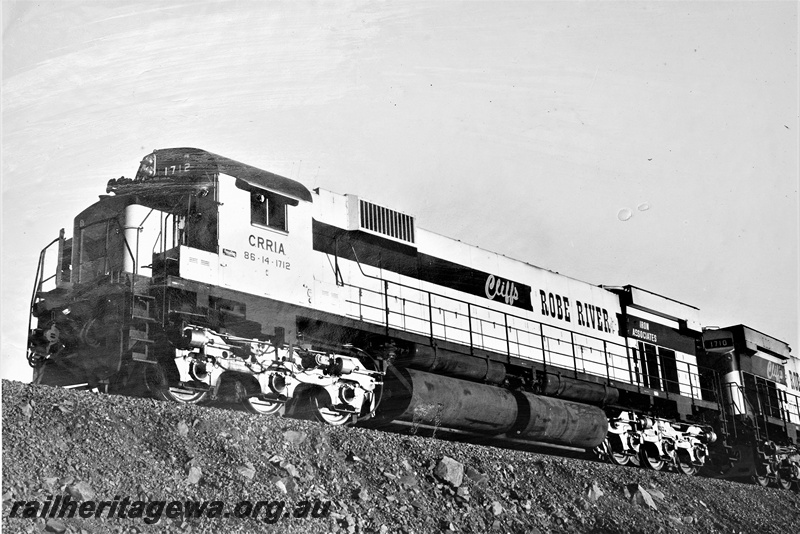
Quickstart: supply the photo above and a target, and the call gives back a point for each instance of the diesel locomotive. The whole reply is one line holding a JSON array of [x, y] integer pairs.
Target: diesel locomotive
[[202, 279]]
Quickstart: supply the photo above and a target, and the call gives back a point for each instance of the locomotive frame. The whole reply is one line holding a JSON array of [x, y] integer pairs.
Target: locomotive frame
[[203, 278]]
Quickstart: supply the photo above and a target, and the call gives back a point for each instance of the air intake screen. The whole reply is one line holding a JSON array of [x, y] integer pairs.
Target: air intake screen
[[387, 222]]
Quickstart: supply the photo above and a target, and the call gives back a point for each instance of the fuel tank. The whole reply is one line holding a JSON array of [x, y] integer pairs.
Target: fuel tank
[[424, 398], [553, 385], [558, 421], [414, 396]]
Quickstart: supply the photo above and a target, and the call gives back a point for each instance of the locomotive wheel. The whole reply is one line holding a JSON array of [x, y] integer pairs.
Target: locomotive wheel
[[762, 481], [651, 460], [762, 478], [156, 382], [129, 381], [321, 408], [636, 446], [616, 458], [784, 483], [261, 407], [255, 405], [186, 396], [684, 465]]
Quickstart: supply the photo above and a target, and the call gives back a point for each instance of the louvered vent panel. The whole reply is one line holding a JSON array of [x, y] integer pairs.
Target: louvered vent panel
[[386, 222]]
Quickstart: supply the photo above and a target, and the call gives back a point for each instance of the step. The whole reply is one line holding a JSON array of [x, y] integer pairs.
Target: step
[[139, 356]]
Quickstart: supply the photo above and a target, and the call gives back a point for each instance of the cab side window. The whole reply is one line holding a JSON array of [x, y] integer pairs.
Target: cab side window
[[269, 209]]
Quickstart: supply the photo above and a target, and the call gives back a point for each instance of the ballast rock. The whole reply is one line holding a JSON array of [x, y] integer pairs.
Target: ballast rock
[[450, 471]]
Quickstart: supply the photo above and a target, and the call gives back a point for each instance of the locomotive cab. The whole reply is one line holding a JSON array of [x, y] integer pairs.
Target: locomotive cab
[[143, 259], [761, 402], [171, 203], [755, 368], [209, 219]]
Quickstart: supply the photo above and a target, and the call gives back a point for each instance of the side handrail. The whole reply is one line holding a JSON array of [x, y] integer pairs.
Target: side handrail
[[38, 281], [134, 257], [454, 299], [547, 347], [747, 404], [108, 222]]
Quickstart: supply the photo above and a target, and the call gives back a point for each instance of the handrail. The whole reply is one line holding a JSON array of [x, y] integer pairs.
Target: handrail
[[782, 406], [730, 385], [459, 300], [160, 243], [134, 258], [757, 414], [788, 406], [549, 336], [549, 342], [79, 244], [37, 281]]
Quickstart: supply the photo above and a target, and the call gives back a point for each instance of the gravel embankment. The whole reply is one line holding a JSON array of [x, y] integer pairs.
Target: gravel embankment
[[96, 447]]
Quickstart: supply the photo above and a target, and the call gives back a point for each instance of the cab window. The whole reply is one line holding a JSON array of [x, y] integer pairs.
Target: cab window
[[269, 209]]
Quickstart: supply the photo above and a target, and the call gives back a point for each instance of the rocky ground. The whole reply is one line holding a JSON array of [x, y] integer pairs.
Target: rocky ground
[[95, 447]]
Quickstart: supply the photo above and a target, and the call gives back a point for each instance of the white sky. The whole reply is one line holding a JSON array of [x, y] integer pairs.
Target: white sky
[[521, 127]]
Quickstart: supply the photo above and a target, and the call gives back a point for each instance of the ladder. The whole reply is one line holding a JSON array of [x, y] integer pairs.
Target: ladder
[[140, 339]]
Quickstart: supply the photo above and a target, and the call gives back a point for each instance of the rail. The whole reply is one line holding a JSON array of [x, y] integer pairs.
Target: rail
[[438, 316]]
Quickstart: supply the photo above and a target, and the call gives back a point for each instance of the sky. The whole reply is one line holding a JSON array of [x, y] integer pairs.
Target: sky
[[645, 143]]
